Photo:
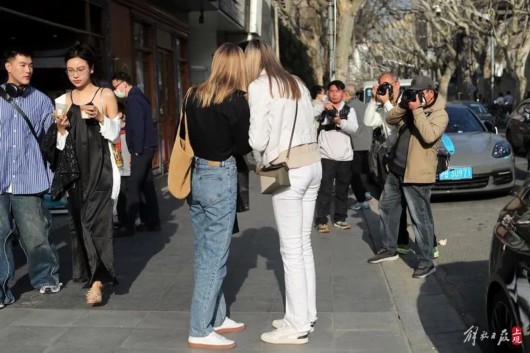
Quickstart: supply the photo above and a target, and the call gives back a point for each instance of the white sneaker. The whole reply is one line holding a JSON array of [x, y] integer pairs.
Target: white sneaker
[[49, 289], [212, 341], [229, 325], [280, 323], [285, 335]]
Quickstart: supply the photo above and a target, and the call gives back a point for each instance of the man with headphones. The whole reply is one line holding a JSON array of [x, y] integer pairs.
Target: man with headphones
[[24, 178]]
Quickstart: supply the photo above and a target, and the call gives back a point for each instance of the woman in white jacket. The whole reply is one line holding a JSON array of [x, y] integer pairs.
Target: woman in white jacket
[[275, 97]]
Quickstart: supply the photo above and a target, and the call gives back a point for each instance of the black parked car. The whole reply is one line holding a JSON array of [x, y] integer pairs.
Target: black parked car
[[518, 127], [479, 109], [508, 290]]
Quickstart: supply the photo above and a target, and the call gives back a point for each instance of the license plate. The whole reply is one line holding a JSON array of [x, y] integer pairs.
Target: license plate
[[457, 173]]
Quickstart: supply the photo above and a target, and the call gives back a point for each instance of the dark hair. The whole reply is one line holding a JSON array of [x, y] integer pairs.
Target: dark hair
[[83, 51], [12, 52], [121, 107], [339, 84], [122, 76], [315, 90]]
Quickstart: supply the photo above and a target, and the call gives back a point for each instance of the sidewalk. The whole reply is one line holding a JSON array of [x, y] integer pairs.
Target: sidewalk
[[362, 307]]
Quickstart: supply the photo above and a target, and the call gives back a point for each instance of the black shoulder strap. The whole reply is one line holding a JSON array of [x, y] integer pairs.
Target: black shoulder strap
[[10, 100]]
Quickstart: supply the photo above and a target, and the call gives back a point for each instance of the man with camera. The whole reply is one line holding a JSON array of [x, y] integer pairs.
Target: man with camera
[[421, 120], [386, 93], [334, 138]]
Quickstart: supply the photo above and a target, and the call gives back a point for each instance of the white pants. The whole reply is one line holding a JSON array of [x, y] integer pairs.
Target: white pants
[[294, 209]]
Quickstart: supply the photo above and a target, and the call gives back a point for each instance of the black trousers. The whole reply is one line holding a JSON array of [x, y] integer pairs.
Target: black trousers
[[358, 168], [340, 173], [141, 187], [121, 206]]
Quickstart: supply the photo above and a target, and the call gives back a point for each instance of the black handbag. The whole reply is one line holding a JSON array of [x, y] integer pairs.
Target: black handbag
[[276, 176], [243, 197]]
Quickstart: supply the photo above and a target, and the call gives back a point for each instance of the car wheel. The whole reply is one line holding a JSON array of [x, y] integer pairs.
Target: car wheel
[[502, 317]]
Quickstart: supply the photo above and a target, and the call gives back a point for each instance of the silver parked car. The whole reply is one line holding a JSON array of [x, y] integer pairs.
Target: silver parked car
[[481, 160]]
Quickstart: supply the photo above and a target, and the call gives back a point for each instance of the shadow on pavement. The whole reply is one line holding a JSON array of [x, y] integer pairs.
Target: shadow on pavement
[[465, 283], [132, 254], [245, 249]]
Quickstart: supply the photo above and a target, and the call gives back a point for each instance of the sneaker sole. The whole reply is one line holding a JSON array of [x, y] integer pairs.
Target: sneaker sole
[[230, 329], [386, 259], [211, 346], [300, 340], [311, 330], [426, 274], [341, 227], [50, 291]]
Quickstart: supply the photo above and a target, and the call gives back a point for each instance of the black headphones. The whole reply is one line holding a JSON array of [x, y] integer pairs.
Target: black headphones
[[16, 91]]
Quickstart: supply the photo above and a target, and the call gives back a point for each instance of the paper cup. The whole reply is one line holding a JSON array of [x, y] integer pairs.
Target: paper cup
[[84, 114], [60, 109], [60, 106]]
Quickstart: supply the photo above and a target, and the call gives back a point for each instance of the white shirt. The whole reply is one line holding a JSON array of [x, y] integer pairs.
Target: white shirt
[[375, 116]]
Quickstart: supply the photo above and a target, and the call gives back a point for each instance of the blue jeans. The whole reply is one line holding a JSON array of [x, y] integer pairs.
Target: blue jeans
[[212, 210], [33, 221], [417, 198]]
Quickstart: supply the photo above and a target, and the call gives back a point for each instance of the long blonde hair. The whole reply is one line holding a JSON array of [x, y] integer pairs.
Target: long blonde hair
[[228, 75], [260, 56]]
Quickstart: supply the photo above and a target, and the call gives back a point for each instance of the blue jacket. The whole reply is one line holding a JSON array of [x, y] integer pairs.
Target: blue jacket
[[140, 132]]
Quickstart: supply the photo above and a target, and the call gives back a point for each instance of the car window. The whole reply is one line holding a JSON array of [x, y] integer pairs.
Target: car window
[[477, 108], [462, 120]]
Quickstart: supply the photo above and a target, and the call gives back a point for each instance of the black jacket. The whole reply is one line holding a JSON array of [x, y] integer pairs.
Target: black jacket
[[140, 132]]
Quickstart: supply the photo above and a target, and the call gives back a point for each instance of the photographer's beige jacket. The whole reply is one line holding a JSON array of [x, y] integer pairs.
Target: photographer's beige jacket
[[429, 125]]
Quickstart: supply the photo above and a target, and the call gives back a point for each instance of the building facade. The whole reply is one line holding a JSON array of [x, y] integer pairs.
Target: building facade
[[165, 45]]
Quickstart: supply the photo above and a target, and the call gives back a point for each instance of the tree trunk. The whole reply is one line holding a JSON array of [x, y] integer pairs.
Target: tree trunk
[[520, 83], [520, 59], [443, 80], [346, 12]]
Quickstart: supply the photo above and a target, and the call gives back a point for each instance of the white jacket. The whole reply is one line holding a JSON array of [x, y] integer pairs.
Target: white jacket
[[272, 118], [375, 116]]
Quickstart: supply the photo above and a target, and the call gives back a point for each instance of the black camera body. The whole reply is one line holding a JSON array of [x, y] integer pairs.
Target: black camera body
[[409, 95], [383, 88], [328, 113], [332, 113]]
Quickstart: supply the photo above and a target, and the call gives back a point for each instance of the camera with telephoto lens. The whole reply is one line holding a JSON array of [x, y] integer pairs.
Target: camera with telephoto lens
[[409, 95], [383, 88]]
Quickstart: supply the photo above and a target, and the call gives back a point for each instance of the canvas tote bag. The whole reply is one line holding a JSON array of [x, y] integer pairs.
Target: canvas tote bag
[[180, 163]]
